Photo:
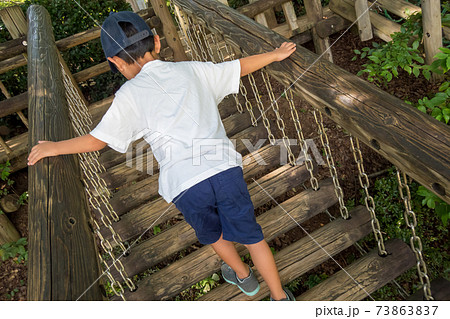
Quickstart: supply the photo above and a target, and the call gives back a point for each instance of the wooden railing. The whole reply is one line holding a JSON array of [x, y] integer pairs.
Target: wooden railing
[[413, 141], [63, 256]]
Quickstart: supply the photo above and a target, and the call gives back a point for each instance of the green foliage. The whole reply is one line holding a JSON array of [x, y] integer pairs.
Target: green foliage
[[314, 280], [156, 230], [206, 285], [12, 293], [13, 249], [388, 58], [432, 201]]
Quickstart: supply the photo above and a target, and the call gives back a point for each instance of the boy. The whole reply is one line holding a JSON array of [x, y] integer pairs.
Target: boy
[[174, 107]]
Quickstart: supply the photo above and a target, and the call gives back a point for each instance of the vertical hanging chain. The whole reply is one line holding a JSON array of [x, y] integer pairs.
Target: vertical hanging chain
[[260, 105], [89, 164], [280, 122], [304, 147], [415, 241], [370, 203], [329, 156], [179, 18], [197, 40]]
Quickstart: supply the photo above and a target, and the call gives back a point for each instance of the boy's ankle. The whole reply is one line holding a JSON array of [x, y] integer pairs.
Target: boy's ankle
[[243, 276]]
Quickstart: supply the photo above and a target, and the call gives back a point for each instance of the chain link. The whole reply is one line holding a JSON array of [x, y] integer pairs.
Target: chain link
[[329, 156], [304, 147], [280, 122], [370, 203], [415, 241], [96, 188]]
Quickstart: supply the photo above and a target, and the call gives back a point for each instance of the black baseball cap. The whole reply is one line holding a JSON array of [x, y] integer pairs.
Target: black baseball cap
[[113, 38]]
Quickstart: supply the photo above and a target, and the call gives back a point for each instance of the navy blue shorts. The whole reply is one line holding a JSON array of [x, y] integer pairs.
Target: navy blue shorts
[[221, 204]]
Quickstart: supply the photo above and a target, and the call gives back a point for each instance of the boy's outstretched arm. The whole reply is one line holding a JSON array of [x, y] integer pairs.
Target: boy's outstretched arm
[[255, 62], [81, 144]]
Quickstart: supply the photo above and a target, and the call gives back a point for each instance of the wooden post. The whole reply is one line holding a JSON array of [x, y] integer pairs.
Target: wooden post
[[63, 260], [8, 233], [314, 11], [291, 17], [363, 16], [432, 30], [170, 31], [260, 18]]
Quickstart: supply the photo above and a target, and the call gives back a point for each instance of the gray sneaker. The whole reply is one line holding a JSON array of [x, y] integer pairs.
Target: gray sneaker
[[289, 296], [249, 285]]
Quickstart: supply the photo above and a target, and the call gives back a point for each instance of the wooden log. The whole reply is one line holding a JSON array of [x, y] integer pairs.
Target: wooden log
[[415, 142], [291, 17], [14, 20], [364, 276], [292, 261], [331, 25], [8, 232], [12, 63], [137, 221], [261, 17], [181, 236], [306, 254], [10, 203], [254, 8], [14, 104], [170, 31], [382, 27], [432, 31], [19, 148], [62, 251], [12, 48], [364, 24], [314, 12]]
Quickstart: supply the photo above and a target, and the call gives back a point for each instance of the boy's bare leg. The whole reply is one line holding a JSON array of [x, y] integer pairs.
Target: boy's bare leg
[[265, 263], [226, 250]]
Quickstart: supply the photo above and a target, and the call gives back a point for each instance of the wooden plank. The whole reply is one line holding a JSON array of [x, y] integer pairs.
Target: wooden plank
[[138, 220], [432, 31], [415, 142], [8, 233], [363, 16], [261, 17], [306, 254], [273, 222], [364, 276], [331, 25], [62, 253], [256, 7], [15, 21], [170, 31], [314, 12], [440, 290], [12, 48], [292, 261], [291, 17]]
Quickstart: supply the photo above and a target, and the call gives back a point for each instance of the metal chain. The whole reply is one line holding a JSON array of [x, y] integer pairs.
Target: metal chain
[[280, 122], [415, 241], [370, 203], [304, 147], [260, 105], [179, 18], [326, 145], [95, 186]]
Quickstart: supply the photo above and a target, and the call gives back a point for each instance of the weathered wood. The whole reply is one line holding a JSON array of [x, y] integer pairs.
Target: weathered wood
[[19, 147], [382, 27], [306, 254], [289, 13], [12, 48], [314, 12], [364, 24], [15, 21], [276, 183], [432, 31], [292, 261], [12, 63], [273, 222], [364, 276], [10, 203], [331, 25], [257, 7], [170, 31], [8, 233], [62, 254], [92, 72], [418, 144], [440, 290], [261, 17], [14, 104]]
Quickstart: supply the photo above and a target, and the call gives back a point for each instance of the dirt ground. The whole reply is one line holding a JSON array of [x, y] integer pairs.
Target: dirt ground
[[13, 276]]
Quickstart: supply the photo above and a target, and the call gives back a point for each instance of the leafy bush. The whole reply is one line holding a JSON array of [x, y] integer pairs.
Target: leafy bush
[[11, 250]]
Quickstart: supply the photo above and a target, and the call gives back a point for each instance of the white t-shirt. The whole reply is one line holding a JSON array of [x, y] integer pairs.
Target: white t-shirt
[[174, 107]]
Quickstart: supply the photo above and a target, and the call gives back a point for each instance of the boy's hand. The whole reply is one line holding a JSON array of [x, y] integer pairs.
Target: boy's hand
[[284, 51], [41, 150]]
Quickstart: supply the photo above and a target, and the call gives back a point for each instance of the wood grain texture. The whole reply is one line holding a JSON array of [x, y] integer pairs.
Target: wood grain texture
[[277, 182], [306, 254], [8, 233], [314, 12], [364, 276], [364, 24], [62, 253], [203, 262], [432, 31], [418, 144], [257, 7]]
